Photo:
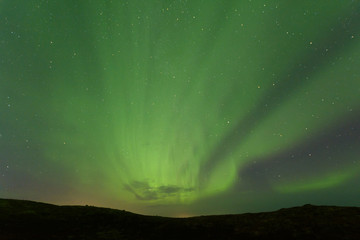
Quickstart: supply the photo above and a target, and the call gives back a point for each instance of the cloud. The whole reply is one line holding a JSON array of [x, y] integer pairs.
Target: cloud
[[142, 190]]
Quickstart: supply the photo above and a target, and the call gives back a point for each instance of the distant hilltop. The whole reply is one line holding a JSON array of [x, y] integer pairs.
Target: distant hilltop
[[27, 220]]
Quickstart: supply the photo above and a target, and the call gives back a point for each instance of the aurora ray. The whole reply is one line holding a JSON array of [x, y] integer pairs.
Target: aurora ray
[[179, 107]]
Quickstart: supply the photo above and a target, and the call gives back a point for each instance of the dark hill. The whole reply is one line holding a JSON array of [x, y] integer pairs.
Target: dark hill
[[32, 220]]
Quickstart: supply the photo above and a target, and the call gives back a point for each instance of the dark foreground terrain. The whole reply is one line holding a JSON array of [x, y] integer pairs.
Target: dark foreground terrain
[[37, 221]]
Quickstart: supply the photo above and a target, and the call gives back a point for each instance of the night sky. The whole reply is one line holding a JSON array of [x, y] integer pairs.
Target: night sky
[[180, 107]]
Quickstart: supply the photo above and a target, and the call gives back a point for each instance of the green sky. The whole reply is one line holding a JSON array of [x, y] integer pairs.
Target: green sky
[[180, 107]]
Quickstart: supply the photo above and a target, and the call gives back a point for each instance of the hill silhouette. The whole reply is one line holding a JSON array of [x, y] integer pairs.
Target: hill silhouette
[[27, 220]]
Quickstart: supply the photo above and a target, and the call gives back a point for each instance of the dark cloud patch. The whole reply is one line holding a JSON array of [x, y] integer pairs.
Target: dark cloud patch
[[169, 189], [142, 190]]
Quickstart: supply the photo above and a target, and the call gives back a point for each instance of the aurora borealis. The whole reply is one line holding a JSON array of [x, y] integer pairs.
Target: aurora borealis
[[180, 107]]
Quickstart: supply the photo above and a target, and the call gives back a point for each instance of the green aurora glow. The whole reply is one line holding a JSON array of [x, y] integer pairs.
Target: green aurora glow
[[179, 107]]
